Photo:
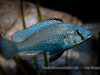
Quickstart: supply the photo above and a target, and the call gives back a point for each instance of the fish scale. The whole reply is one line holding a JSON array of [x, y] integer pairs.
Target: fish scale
[[53, 32], [22, 35]]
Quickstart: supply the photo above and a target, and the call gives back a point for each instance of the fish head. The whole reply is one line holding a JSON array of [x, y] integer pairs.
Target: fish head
[[75, 35]]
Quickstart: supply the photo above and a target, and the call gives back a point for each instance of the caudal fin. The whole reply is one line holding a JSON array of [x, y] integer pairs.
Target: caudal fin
[[7, 48]]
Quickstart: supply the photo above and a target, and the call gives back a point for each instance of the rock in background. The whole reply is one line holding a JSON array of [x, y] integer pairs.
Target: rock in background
[[11, 20]]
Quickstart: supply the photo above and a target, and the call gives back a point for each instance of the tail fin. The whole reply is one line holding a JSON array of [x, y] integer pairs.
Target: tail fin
[[7, 48]]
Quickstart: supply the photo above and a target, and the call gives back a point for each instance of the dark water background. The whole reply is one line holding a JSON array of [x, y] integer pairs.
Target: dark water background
[[86, 10]]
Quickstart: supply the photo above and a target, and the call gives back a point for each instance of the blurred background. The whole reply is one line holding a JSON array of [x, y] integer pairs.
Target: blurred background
[[85, 10], [16, 15]]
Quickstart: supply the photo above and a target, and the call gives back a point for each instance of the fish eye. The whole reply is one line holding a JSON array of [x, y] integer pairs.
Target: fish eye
[[68, 36], [65, 37], [80, 34]]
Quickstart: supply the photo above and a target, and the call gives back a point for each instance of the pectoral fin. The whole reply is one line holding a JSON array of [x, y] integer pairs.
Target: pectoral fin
[[55, 55]]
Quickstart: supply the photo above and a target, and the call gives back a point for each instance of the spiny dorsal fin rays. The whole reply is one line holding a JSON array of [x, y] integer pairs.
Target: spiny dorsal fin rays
[[57, 19], [22, 35]]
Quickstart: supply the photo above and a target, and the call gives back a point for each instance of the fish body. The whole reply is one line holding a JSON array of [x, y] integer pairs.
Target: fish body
[[22, 35], [53, 35]]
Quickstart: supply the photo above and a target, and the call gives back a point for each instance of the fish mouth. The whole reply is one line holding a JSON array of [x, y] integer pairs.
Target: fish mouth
[[90, 35]]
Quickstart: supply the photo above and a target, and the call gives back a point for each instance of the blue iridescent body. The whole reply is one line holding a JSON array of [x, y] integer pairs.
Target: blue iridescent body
[[52, 35]]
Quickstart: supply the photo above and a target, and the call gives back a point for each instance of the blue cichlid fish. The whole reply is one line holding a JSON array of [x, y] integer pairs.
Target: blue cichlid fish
[[52, 35]]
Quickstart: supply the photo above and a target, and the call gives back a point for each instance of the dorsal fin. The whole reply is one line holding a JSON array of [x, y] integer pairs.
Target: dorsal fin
[[23, 34], [58, 19]]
